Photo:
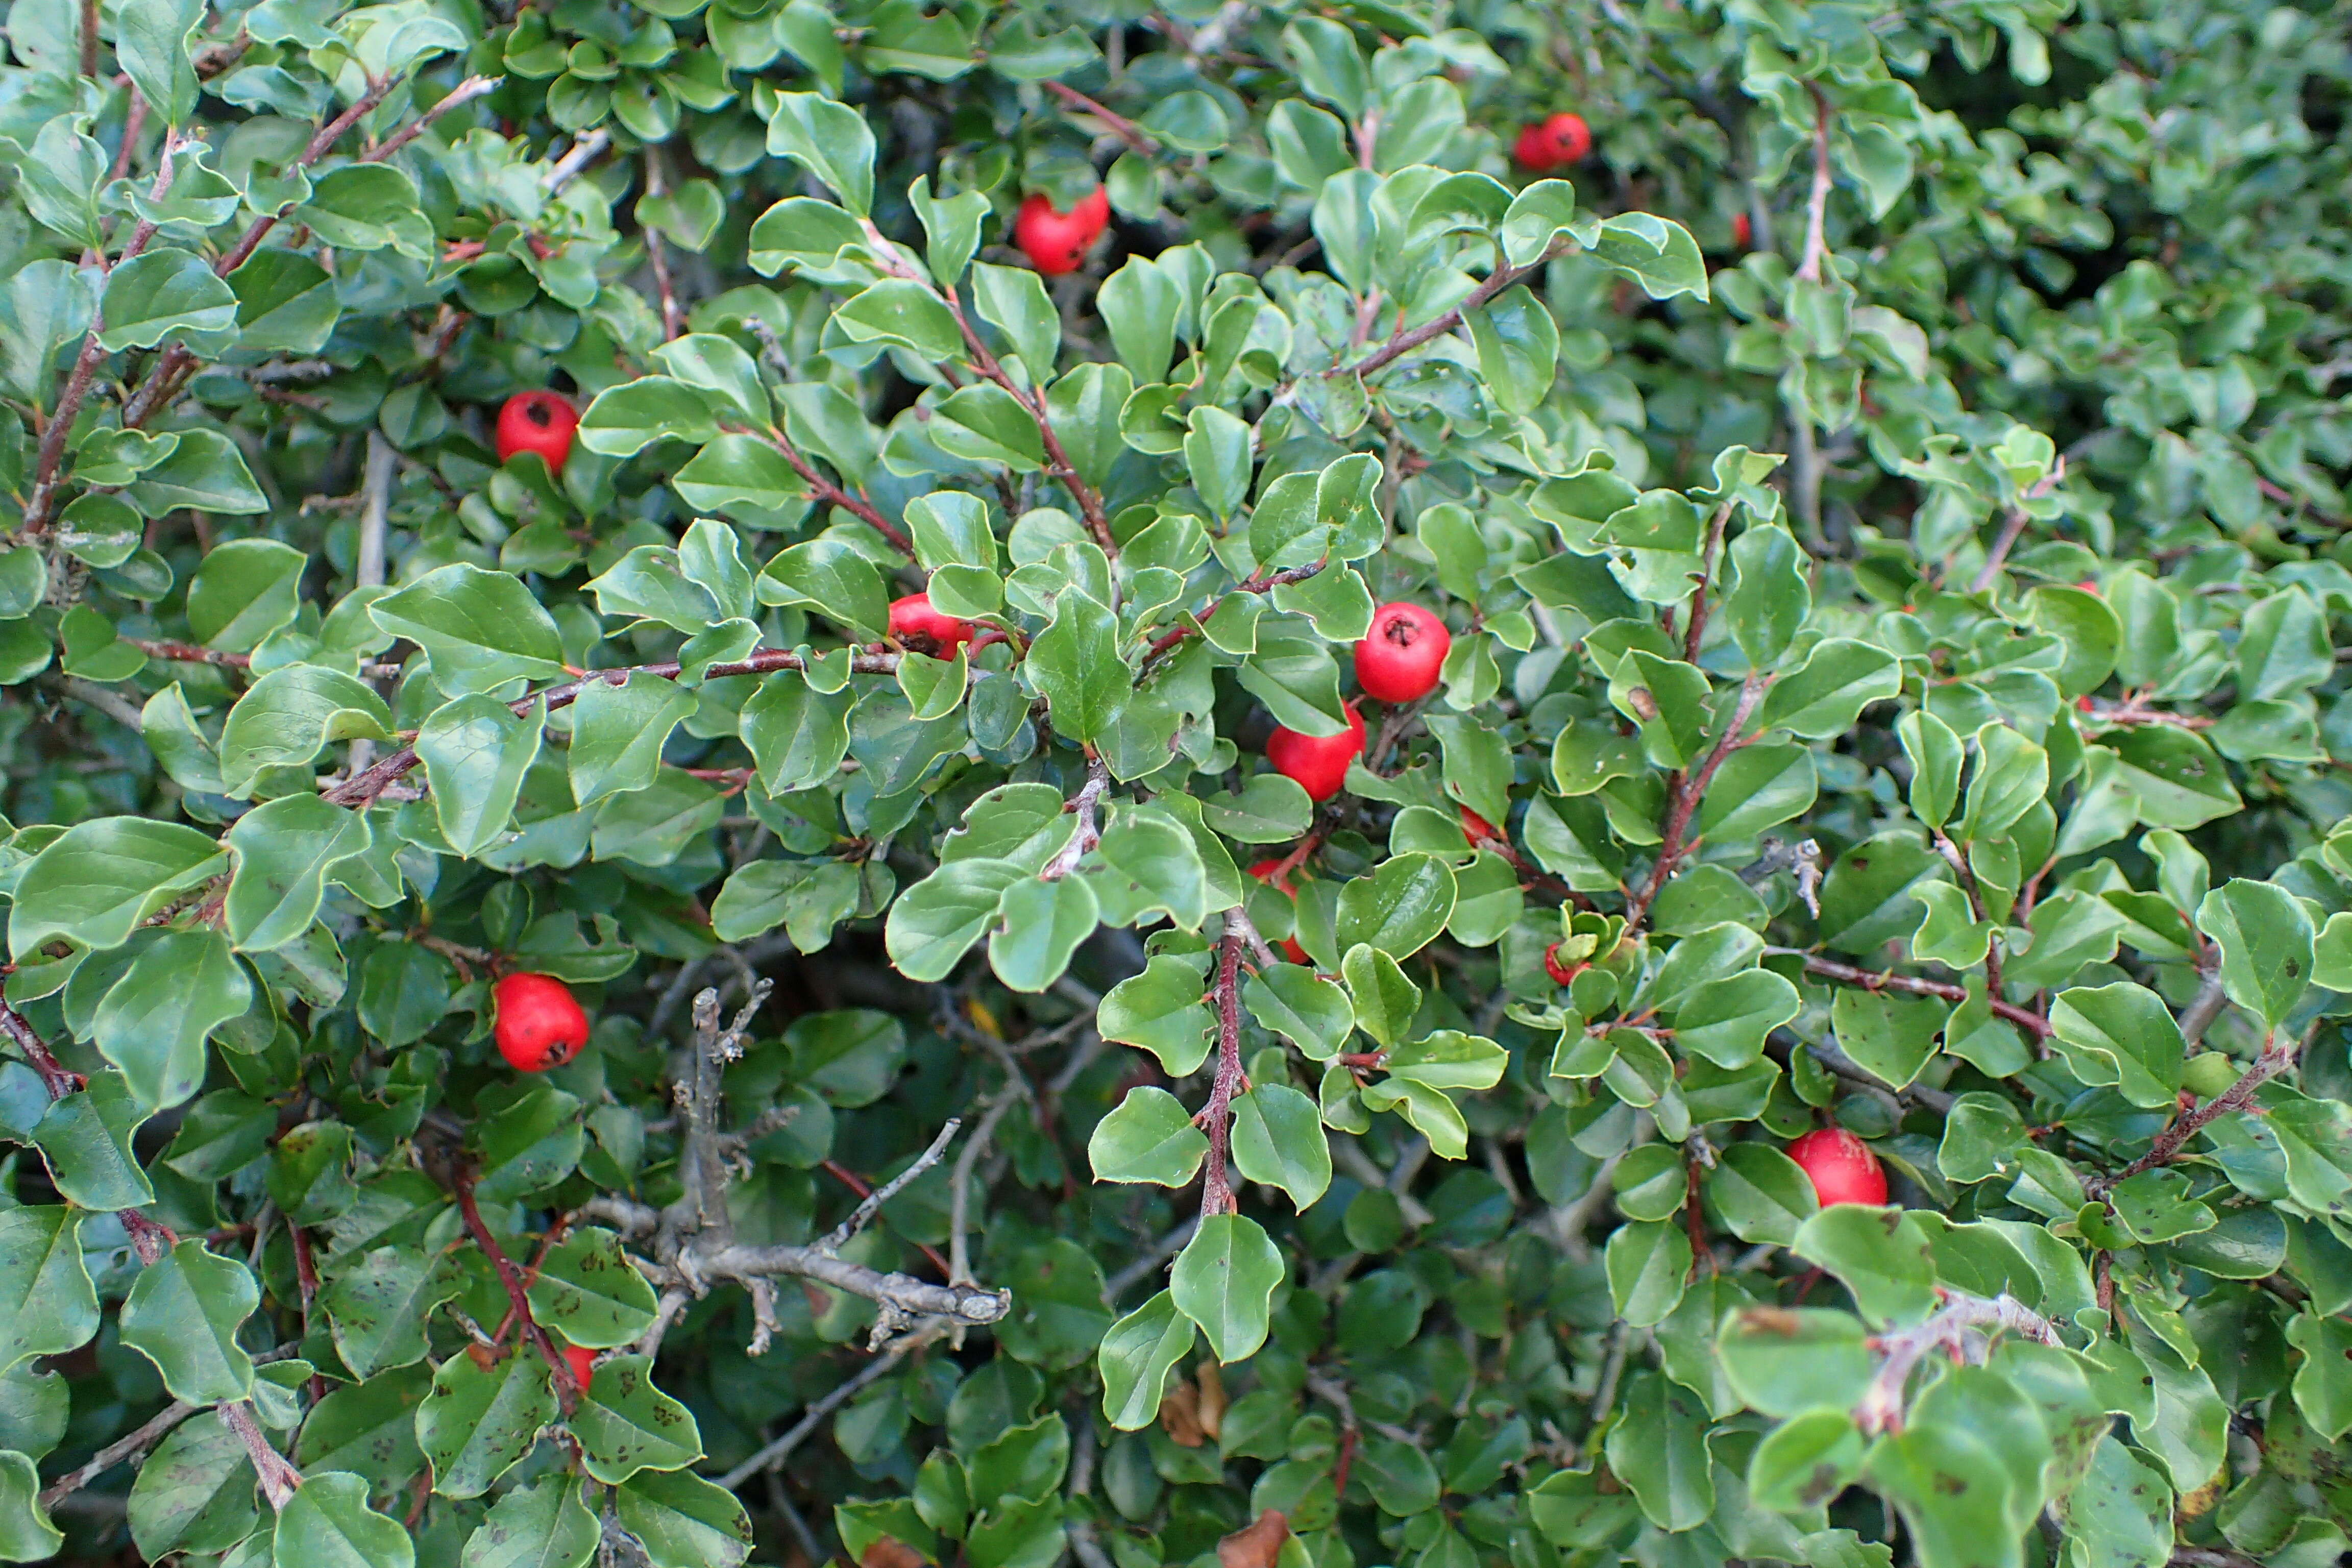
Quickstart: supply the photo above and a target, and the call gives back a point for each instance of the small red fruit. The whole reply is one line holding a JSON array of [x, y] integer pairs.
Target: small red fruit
[[1741, 231], [1561, 973], [1478, 829], [1399, 659], [1319, 762], [540, 422], [539, 1024], [582, 1362], [1841, 1167], [1555, 143], [1056, 242], [1272, 874], [925, 629]]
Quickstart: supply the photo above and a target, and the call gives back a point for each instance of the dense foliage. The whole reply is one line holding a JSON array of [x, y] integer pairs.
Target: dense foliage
[[1884, 501]]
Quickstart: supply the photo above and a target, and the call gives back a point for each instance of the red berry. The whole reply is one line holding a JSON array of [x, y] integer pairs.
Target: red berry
[[1741, 231], [1055, 241], [1478, 827], [539, 1024], [581, 1361], [1319, 762], [1557, 142], [1272, 874], [1841, 1167], [540, 422], [1561, 973], [925, 629], [1399, 659]]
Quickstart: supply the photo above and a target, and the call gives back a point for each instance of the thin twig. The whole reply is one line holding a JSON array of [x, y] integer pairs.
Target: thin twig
[[1687, 793], [2274, 1059], [1126, 130], [465, 92], [1501, 278], [871, 1205], [127, 1448], [1817, 204], [1217, 1116], [584, 153], [777, 1452], [1084, 803], [1957, 1327], [567, 1387], [1875, 979]]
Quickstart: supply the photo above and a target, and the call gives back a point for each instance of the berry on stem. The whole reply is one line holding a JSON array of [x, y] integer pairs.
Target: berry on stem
[[1553, 143], [1271, 872], [539, 1024], [1399, 657], [540, 422], [1056, 242], [582, 1362], [1318, 762], [1841, 1167], [926, 630], [1561, 973]]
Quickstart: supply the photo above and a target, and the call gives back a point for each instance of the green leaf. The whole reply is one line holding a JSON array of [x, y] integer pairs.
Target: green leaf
[[830, 140], [1826, 694], [285, 849], [50, 1307], [1075, 665], [152, 1022], [936, 921], [901, 312], [162, 293], [625, 1425], [2265, 936], [1224, 1280], [328, 1525], [25, 1533], [245, 590], [182, 1314], [1043, 922], [477, 751], [97, 881], [1160, 1010], [194, 1492], [1664, 1457], [587, 1289], [86, 1139], [627, 417], [291, 714], [808, 898], [1147, 1137], [545, 1524], [2122, 1035], [1890, 1034], [1278, 1139], [479, 1422], [1762, 1195], [1399, 907], [1647, 1264], [828, 576], [379, 1303], [1727, 1021], [1880, 1254], [481, 629], [1783, 1361], [1137, 1353], [618, 733], [683, 1520]]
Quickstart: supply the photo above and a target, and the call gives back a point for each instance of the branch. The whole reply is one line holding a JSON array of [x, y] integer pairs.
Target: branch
[[361, 788], [1402, 343], [1688, 792], [1874, 980], [959, 1203], [1216, 1189], [1212, 33], [128, 1447], [54, 1078], [2203, 1009], [1958, 1327], [2014, 526], [280, 1480], [1126, 130], [871, 1205], [1698, 601], [832, 494], [777, 1452], [1065, 859], [584, 153], [2275, 1059], [902, 1298], [1817, 206], [40, 505], [466, 91], [567, 1387], [701, 1099]]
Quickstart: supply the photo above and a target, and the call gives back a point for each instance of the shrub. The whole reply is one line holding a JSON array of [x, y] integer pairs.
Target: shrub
[[1882, 507]]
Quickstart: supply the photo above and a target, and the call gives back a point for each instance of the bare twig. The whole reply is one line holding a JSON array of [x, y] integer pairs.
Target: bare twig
[[1688, 790], [774, 1454], [584, 153], [1874, 980], [280, 1480], [1817, 204], [465, 92], [1959, 1328], [2203, 1009], [127, 1448], [1217, 1116], [1084, 803], [1402, 343], [1212, 33], [1126, 130], [54, 1078], [872, 1203], [2274, 1059], [89, 694], [567, 1387]]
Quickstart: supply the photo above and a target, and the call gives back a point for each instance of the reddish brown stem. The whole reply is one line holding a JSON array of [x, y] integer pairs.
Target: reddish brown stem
[[2275, 1059], [1698, 600], [148, 1239], [54, 1078], [1126, 130], [1688, 790], [1057, 461], [1874, 980], [832, 494], [466, 91], [1402, 343], [567, 1388]]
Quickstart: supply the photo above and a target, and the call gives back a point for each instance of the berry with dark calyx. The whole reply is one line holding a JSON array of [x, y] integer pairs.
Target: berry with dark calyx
[[1560, 973], [1399, 657], [1318, 762], [1273, 874], [1841, 1167], [926, 630], [582, 1362], [1056, 242], [540, 422], [1553, 143], [539, 1024]]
